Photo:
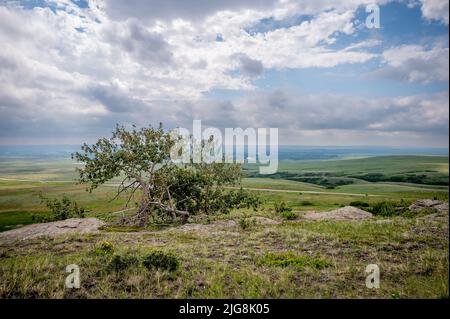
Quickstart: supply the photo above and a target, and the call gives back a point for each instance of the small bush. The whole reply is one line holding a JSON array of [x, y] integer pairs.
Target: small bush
[[285, 211], [384, 209], [388, 209], [105, 248], [59, 210], [247, 223], [289, 215], [282, 207], [119, 262], [161, 260], [360, 204], [306, 203]]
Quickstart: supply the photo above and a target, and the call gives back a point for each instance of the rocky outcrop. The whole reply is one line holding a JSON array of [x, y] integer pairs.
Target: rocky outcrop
[[419, 205], [68, 226], [344, 213]]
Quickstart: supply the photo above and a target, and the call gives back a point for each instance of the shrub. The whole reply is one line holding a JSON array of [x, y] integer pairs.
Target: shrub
[[105, 248], [282, 207], [285, 211], [289, 215], [161, 260], [60, 210], [247, 223], [359, 204], [119, 262], [306, 203], [384, 209]]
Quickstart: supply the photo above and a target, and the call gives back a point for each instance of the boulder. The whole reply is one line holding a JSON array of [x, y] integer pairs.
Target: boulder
[[419, 205], [52, 229], [344, 213]]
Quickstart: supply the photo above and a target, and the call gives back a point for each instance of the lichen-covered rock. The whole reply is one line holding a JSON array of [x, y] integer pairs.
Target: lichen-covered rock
[[419, 205], [344, 213], [52, 229]]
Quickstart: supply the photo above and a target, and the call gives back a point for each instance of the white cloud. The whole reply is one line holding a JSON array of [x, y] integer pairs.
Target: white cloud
[[78, 71], [435, 10], [415, 63]]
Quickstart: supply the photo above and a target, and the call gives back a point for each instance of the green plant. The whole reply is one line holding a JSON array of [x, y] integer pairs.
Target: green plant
[[161, 260], [122, 262], [289, 215], [282, 207], [384, 209], [167, 191], [247, 223], [286, 259], [359, 204], [60, 209], [306, 203], [285, 211], [105, 248]]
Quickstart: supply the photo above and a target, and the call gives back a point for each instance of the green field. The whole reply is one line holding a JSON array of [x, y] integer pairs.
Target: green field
[[293, 259]]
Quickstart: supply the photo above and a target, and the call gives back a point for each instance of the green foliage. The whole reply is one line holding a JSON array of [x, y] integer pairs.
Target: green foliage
[[384, 209], [105, 248], [306, 203], [360, 204], [161, 260], [285, 211], [289, 259], [122, 262], [247, 223], [60, 210], [166, 189], [281, 207], [289, 215]]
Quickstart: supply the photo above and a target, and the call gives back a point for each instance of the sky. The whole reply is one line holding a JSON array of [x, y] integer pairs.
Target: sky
[[71, 70]]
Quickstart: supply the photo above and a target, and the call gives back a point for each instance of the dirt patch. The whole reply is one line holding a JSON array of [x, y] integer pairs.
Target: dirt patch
[[223, 225], [68, 226], [419, 205], [344, 213]]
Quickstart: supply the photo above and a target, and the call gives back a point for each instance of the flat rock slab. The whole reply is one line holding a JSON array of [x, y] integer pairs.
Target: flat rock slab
[[419, 205], [68, 226], [344, 213]]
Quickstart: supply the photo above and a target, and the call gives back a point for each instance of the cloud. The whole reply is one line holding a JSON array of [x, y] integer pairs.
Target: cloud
[[414, 63], [146, 46], [153, 10], [248, 66], [145, 63], [435, 10]]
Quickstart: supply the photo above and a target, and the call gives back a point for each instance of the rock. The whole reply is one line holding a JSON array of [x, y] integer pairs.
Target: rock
[[265, 221], [383, 221], [419, 205], [68, 226], [344, 213]]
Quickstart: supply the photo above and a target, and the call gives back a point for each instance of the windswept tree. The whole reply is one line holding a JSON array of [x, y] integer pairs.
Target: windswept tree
[[140, 159]]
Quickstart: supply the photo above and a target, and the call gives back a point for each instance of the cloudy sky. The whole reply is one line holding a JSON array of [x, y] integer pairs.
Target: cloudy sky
[[70, 70]]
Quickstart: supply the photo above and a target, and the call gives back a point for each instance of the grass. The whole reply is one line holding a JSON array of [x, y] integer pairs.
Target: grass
[[290, 260]]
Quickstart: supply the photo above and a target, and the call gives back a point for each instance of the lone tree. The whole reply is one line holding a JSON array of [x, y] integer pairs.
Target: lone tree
[[141, 159]]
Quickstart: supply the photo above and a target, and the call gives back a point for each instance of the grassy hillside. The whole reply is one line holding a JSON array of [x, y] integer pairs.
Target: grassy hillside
[[429, 170], [291, 259]]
